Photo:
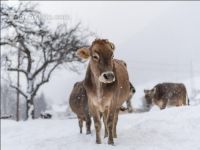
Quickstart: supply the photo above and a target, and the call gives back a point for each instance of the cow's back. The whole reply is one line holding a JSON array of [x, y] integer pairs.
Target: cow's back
[[171, 93]]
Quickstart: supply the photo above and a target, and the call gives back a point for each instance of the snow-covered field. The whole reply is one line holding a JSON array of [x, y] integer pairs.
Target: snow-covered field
[[175, 128], [169, 129]]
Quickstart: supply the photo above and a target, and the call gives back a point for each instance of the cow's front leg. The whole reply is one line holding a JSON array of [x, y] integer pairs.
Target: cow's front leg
[[105, 115], [110, 120], [80, 124], [164, 104], [115, 123], [97, 123]]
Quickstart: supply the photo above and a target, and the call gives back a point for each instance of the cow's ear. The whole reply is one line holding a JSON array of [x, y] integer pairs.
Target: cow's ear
[[83, 53], [153, 90], [112, 46], [124, 63], [146, 91]]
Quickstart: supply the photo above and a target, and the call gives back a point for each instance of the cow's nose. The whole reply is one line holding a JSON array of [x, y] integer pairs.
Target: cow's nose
[[109, 76]]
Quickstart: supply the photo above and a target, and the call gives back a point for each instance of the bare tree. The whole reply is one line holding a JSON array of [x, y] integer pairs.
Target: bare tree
[[42, 50]]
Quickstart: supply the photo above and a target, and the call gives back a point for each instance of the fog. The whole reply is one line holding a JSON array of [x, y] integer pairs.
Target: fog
[[158, 39]]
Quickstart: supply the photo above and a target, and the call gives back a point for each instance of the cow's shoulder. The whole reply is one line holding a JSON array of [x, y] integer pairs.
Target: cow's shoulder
[[120, 66]]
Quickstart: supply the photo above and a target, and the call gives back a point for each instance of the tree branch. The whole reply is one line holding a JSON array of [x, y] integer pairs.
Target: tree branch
[[17, 70], [41, 68], [19, 90], [45, 80]]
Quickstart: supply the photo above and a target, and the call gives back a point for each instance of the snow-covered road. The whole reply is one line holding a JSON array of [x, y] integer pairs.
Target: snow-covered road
[[170, 129]]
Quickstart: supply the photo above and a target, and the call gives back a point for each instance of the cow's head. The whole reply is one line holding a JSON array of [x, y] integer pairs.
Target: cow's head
[[149, 95], [101, 59]]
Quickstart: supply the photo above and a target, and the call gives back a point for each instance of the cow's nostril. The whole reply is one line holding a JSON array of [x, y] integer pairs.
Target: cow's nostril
[[105, 76], [109, 76]]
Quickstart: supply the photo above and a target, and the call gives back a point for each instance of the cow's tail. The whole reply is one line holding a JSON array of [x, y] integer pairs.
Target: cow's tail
[[187, 99], [122, 108]]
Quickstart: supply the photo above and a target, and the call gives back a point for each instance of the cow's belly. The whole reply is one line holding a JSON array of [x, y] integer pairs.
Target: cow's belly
[[172, 102]]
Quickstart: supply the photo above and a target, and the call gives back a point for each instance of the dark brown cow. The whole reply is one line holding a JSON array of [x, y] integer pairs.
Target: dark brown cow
[[167, 94], [79, 104], [107, 86]]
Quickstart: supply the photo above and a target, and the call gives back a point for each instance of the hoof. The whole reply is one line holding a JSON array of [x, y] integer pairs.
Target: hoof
[[98, 142], [130, 110], [111, 142], [88, 132]]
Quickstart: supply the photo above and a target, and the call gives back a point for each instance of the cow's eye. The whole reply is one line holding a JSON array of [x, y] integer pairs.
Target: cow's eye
[[96, 57]]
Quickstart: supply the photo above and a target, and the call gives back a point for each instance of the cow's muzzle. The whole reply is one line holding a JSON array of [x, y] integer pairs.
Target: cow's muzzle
[[107, 77]]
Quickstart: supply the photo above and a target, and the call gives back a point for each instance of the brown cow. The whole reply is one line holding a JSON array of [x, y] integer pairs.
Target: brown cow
[[79, 104], [132, 91], [107, 86], [167, 94]]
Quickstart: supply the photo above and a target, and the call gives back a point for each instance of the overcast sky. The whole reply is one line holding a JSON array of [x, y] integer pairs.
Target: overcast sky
[[174, 25], [152, 37]]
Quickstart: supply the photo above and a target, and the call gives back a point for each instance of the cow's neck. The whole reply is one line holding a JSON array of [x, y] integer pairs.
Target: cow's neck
[[93, 83], [99, 89]]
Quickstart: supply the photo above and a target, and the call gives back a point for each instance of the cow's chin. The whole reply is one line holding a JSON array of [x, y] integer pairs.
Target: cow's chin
[[103, 80]]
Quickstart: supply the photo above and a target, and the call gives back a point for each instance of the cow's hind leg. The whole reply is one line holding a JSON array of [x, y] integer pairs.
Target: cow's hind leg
[[181, 102], [184, 100], [88, 124]]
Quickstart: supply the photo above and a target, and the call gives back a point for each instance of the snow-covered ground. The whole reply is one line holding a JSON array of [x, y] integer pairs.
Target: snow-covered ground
[[169, 129]]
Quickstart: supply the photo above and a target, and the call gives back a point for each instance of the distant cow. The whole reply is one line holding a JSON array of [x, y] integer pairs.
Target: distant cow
[[107, 86], [167, 94], [79, 104]]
